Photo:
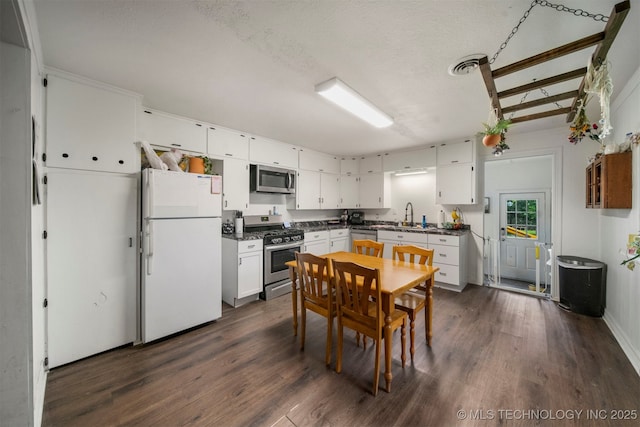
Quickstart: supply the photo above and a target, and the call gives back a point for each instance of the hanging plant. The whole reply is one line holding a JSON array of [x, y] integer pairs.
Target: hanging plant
[[502, 145], [494, 132]]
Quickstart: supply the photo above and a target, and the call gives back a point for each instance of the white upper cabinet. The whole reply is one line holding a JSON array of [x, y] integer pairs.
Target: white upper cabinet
[[408, 160], [167, 130], [350, 191], [317, 190], [456, 185], [90, 127], [457, 152], [316, 161], [235, 183], [225, 143], [375, 190], [269, 152], [371, 164], [350, 165], [456, 175]]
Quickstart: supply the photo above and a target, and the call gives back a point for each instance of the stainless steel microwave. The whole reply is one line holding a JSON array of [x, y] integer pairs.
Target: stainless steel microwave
[[269, 179]]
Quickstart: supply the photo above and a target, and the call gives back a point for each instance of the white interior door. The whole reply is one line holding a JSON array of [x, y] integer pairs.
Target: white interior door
[[522, 223], [91, 263]]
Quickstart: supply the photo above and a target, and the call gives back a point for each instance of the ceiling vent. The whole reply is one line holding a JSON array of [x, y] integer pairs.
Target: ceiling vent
[[466, 65]]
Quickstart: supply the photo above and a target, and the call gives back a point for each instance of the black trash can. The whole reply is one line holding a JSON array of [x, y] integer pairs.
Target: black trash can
[[583, 285]]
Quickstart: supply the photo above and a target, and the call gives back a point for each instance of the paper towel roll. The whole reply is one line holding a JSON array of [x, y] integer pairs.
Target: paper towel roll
[[441, 219], [239, 225]]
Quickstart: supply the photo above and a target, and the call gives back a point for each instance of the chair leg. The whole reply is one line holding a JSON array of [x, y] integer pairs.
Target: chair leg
[[339, 350], [403, 342], [412, 332], [329, 339], [376, 370], [303, 325]]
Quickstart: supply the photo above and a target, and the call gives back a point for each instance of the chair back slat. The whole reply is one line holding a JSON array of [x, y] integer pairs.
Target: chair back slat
[[368, 247], [314, 278], [355, 285], [414, 254]]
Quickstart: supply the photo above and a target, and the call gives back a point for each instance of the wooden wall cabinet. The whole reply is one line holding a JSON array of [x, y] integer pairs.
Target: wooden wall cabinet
[[608, 182]]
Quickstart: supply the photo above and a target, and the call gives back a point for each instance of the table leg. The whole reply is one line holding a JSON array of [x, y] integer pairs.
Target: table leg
[[429, 310], [387, 308], [294, 298]]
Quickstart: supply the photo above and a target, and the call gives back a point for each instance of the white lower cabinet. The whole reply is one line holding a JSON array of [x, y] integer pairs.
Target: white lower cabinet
[[242, 270], [339, 240], [316, 242], [91, 261], [449, 254], [392, 238]]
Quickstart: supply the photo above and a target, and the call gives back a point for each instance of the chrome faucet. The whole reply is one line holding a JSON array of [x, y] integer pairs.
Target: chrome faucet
[[405, 213]]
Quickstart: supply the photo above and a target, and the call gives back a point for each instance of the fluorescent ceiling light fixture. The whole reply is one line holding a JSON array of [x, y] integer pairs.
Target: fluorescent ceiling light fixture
[[338, 92], [420, 172]]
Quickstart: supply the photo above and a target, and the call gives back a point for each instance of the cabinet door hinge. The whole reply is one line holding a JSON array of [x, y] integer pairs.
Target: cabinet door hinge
[[45, 303], [45, 82], [44, 234]]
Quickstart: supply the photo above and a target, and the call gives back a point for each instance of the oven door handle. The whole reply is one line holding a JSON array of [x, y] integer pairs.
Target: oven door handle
[[286, 246]]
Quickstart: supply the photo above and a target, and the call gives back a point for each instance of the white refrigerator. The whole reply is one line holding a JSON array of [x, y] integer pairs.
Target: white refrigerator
[[181, 277]]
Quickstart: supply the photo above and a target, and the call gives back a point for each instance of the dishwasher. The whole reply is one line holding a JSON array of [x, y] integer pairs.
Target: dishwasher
[[363, 235]]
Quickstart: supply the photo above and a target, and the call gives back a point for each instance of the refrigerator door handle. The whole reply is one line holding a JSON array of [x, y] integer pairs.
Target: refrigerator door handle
[[149, 248], [150, 191]]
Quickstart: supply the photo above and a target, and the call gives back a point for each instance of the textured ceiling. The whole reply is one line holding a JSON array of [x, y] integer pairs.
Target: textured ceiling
[[253, 65]]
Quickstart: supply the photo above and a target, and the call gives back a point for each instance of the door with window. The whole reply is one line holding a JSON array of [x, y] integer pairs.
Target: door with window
[[523, 223]]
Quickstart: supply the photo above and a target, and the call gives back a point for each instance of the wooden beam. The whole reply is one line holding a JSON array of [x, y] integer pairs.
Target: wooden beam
[[617, 17], [570, 75], [485, 69], [566, 49], [541, 115], [541, 101]]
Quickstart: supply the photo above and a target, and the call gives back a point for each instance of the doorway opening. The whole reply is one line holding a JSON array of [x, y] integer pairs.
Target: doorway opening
[[517, 224]]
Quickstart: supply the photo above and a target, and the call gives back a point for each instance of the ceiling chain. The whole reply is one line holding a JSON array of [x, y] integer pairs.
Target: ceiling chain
[[544, 3]]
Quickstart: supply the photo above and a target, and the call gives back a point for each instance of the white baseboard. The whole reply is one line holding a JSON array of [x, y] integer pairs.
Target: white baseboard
[[632, 353]]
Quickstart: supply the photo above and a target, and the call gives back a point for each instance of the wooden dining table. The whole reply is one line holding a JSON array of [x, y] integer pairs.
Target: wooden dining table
[[396, 277]]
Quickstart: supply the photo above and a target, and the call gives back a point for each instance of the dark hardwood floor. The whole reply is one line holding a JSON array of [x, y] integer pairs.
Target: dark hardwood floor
[[498, 358]]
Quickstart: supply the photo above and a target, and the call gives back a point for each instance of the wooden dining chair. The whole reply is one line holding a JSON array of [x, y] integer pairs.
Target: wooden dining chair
[[316, 294], [368, 247], [354, 285], [413, 301]]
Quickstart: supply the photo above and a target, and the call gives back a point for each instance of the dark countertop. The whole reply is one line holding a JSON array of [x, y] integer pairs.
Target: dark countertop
[[244, 236], [323, 225], [431, 229]]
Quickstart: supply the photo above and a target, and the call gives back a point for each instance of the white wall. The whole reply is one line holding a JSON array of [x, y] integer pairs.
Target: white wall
[[16, 351], [623, 286]]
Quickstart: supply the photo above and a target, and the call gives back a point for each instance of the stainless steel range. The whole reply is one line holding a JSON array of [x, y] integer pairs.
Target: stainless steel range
[[280, 246]]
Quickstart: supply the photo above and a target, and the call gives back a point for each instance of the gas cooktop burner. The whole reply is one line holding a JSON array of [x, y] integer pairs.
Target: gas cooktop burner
[[272, 229], [274, 237]]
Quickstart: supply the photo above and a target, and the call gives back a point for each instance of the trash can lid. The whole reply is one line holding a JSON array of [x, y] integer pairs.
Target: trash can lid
[[577, 262]]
